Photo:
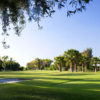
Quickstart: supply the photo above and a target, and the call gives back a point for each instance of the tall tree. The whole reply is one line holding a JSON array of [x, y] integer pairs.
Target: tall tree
[[77, 59], [83, 62], [88, 54], [1, 68], [11, 60], [31, 66], [4, 59], [47, 63], [73, 56], [95, 62], [59, 61], [12, 65], [37, 63]]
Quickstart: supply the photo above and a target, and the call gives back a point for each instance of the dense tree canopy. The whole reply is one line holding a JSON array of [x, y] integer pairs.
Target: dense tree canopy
[[73, 57], [60, 62], [71, 60], [7, 63], [83, 62], [39, 64], [87, 53], [95, 61]]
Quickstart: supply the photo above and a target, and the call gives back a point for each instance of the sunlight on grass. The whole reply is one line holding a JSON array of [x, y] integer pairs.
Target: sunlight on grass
[[51, 85]]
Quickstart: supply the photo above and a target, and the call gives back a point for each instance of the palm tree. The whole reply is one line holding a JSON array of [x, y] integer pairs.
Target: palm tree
[[47, 63], [95, 62], [72, 56], [88, 54], [77, 58], [83, 62], [4, 59], [37, 63], [60, 62], [11, 60]]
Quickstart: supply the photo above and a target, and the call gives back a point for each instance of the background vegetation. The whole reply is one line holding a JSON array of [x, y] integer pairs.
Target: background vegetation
[[71, 60]]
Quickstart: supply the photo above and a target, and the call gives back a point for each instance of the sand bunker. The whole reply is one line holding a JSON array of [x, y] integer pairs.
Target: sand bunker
[[10, 80]]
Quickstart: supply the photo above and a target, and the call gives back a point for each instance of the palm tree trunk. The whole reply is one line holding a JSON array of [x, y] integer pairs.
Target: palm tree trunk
[[60, 68], [85, 68], [4, 66], [82, 67], [71, 66], [75, 67], [95, 69]]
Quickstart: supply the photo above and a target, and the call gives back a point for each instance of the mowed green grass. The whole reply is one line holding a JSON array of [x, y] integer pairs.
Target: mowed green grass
[[51, 85]]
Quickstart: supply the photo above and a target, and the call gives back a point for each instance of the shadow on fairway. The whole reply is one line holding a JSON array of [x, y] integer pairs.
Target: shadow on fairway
[[59, 87], [45, 90], [73, 74]]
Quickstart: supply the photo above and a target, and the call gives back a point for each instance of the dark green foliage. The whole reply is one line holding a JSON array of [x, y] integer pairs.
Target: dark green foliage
[[1, 68], [22, 68], [53, 67], [88, 55], [60, 62], [83, 62], [73, 57], [71, 60], [14, 12], [9, 64], [35, 64], [95, 63], [14, 66], [31, 66], [46, 63], [39, 64]]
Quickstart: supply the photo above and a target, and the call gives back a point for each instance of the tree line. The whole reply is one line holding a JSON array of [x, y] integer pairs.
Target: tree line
[[71, 60], [41, 64], [8, 64]]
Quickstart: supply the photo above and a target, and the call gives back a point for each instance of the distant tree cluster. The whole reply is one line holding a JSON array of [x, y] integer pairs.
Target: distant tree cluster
[[8, 64], [40, 64], [71, 60]]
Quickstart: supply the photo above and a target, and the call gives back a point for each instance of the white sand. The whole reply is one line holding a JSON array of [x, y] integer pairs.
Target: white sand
[[10, 80]]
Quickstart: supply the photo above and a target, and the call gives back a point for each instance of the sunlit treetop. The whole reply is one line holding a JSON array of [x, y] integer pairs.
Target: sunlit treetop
[[15, 13]]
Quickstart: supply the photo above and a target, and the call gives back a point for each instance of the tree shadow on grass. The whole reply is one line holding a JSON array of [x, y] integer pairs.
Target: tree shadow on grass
[[73, 74], [12, 73], [40, 90], [68, 79], [47, 89], [53, 88], [62, 91], [46, 73]]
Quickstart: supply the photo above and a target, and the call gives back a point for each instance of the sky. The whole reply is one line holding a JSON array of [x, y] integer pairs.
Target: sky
[[59, 33]]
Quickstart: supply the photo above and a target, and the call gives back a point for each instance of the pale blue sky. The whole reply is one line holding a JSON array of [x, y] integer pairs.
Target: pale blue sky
[[59, 34]]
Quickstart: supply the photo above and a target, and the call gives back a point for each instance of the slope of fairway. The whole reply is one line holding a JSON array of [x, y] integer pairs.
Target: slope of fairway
[[51, 85]]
